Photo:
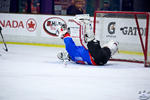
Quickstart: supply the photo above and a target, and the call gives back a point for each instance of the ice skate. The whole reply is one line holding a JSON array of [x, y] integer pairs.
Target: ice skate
[[113, 46], [61, 31], [63, 55]]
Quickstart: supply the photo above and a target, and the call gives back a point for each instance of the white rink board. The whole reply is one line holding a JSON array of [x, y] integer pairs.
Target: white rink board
[[123, 30], [31, 28], [35, 28], [16, 28]]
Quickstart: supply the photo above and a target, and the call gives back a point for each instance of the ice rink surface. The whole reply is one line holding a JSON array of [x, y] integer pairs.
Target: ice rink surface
[[35, 73]]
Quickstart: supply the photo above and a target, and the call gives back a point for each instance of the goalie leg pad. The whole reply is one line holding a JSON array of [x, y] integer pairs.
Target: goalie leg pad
[[84, 20], [113, 46]]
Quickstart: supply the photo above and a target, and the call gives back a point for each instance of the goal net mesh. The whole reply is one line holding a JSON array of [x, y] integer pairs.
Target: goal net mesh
[[130, 29]]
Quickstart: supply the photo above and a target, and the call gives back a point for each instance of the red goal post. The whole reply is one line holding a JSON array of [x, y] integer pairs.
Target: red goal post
[[133, 22]]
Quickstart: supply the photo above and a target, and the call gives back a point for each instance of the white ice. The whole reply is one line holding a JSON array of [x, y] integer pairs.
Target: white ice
[[35, 73]]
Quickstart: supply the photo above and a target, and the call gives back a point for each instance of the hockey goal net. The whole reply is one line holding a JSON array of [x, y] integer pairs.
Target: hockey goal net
[[130, 29]]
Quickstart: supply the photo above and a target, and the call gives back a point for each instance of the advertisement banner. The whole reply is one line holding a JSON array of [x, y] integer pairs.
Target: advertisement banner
[[18, 24], [44, 25], [121, 29], [35, 28], [43, 28], [51, 24]]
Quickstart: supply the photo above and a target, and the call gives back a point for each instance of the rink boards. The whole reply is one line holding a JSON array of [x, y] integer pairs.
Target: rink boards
[[32, 29]]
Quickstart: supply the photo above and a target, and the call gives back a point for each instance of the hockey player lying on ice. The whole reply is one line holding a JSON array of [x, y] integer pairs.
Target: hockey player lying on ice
[[94, 55]]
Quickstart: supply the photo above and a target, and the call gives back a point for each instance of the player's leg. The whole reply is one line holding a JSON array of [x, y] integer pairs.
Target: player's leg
[[84, 20], [70, 46], [100, 55], [113, 46]]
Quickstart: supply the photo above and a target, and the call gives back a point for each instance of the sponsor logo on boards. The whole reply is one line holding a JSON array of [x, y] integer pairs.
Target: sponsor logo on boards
[[31, 25], [51, 24], [127, 30], [17, 24], [11, 24], [111, 29]]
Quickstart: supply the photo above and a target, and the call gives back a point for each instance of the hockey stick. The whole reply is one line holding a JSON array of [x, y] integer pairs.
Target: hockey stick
[[6, 49]]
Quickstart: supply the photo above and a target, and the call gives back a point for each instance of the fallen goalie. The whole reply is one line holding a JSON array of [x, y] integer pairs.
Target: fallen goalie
[[94, 54]]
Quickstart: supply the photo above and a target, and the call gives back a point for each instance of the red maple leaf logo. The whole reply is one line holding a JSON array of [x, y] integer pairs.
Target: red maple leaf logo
[[31, 24]]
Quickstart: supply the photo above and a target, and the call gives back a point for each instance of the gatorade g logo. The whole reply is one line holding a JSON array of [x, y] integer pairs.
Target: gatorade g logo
[[111, 27], [50, 25]]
